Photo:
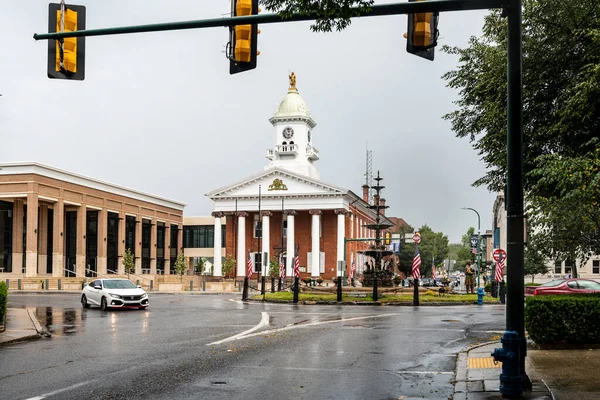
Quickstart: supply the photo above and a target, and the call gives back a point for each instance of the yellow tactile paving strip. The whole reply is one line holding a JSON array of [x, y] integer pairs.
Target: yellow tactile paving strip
[[485, 362]]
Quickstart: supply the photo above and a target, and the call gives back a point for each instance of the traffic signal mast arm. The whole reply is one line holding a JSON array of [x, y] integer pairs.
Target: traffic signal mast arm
[[375, 10]]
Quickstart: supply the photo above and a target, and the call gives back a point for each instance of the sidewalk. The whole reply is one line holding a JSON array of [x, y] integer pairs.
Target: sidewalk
[[21, 324], [477, 377]]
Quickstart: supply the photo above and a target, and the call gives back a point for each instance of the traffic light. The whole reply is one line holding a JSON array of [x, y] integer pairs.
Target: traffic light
[[66, 57], [243, 51], [388, 238], [422, 34]]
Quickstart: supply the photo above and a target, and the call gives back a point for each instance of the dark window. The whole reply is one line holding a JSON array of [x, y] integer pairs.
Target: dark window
[[568, 265], [6, 228], [558, 267], [146, 232], [50, 241], [160, 247], [130, 234], [70, 242], [91, 243], [201, 236], [595, 266], [112, 243], [173, 250]]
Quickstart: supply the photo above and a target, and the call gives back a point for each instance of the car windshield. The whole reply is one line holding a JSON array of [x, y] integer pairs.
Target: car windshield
[[119, 284], [553, 283]]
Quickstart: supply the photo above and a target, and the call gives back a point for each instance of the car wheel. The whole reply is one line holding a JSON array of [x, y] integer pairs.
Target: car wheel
[[84, 302], [103, 305]]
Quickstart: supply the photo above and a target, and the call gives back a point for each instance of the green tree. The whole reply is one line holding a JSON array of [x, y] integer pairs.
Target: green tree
[[561, 116], [331, 14], [432, 249], [535, 262], [201, 265], [180, 265], [274, 268], [229, 265], [128, 262]]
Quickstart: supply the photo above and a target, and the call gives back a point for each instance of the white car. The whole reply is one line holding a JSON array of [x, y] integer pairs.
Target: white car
[[114, 293]]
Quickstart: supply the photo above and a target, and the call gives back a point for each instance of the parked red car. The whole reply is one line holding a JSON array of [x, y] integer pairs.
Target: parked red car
[[564, 286]]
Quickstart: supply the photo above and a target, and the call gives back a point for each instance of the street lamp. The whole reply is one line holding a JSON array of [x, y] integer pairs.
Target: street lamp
[[478, 241]]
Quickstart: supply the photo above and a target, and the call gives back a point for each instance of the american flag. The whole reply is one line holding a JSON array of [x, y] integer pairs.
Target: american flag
[[499, 268], [416, 266], [281, 269], [297, 267], [352, 269], [250, 269], [433, 271]]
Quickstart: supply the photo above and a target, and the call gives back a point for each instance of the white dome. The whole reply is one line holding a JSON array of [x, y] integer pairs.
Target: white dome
[[292, 105]]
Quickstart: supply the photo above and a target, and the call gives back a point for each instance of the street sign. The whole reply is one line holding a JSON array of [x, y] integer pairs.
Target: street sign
[[416, 238], [499, 255]]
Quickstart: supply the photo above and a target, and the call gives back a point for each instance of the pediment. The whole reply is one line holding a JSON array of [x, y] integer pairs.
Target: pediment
[[276, 182]]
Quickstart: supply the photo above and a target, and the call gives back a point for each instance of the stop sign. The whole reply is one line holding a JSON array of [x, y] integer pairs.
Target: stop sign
[[499, 255], [417, 238]]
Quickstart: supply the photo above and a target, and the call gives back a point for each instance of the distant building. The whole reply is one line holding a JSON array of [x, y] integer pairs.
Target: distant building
[[287, 211], [556, 268], [56, 223]]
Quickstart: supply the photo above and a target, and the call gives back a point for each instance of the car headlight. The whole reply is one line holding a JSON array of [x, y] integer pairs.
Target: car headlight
[[116, 296], [144, 295]]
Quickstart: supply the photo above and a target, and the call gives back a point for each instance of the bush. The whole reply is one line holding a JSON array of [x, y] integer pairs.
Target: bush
[[307, 280], [430, 293], [563, 319], [532, 284], [488, 287], [3, 301]]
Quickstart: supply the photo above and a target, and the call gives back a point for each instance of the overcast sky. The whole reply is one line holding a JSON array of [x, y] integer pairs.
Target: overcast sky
[[159, 112]]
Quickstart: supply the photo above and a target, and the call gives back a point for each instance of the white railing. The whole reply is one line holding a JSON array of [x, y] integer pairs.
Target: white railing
[[287, 148], [312, 152]]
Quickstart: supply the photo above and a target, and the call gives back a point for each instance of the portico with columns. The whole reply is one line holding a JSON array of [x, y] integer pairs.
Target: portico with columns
[[286, 211]]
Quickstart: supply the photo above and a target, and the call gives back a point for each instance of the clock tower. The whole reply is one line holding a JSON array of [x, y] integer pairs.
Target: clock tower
[[293, 125]]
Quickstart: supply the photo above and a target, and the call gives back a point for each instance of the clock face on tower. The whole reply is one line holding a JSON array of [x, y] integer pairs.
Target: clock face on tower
[[288, 133]]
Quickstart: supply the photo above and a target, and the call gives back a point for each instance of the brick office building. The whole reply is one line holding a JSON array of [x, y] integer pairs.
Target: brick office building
[[286, 210], [55, 223]]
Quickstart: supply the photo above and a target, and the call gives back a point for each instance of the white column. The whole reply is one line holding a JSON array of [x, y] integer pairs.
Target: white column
[[290, 251], [241, 250], [315, 250], [266, 244], [218, 245], [341, 233]]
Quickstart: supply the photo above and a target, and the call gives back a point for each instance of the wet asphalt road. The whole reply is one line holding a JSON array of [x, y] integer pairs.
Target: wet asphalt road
[[307, 351]]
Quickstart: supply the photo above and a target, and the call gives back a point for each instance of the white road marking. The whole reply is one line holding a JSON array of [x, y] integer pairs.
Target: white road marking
[[246, 334], [426, 372], [43, 396], [263, 322]]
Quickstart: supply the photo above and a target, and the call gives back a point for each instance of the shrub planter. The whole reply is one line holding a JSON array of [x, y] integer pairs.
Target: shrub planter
[[566, 319]]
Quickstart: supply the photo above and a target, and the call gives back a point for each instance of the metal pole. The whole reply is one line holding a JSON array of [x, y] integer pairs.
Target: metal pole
[[260, 271], [478, 241], [515, 307], [375, 10]]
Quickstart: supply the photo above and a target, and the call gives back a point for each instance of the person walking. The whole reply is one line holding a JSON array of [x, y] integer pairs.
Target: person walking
[[469, 281]]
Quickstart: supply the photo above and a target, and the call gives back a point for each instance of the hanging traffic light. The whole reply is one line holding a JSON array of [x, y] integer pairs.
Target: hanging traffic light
[[66, 57], [422, 34], [388, 238], [243, 51]]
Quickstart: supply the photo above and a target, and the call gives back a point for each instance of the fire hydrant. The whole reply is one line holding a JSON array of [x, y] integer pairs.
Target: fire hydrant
[[480, 294], [511, 378]]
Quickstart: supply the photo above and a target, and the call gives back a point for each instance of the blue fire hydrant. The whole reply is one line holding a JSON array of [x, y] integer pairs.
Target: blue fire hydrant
[[511, 378], [480, 294]]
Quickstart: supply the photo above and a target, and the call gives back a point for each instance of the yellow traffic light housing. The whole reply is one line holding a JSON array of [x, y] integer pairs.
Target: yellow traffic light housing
[[422, 34], [243, 44], [388, 238], [66, 57]]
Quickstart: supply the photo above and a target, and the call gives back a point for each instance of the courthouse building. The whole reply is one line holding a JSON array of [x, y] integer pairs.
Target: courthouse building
[[56, 223], [286, 210]]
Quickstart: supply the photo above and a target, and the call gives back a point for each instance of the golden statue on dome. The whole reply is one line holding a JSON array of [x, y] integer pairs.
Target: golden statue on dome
[[292, 81]]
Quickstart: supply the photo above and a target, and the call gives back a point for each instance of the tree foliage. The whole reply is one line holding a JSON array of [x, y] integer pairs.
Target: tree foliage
[[128, 262], [330, 14], [180, 265], [433, 249], [229, 265], [561, 116]]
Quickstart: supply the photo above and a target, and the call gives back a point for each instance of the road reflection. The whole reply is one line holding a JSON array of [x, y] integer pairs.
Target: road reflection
[[61, 321]]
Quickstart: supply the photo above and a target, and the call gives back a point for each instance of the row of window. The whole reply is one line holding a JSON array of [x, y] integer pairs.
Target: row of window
[[558, 269], [201, 236]]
